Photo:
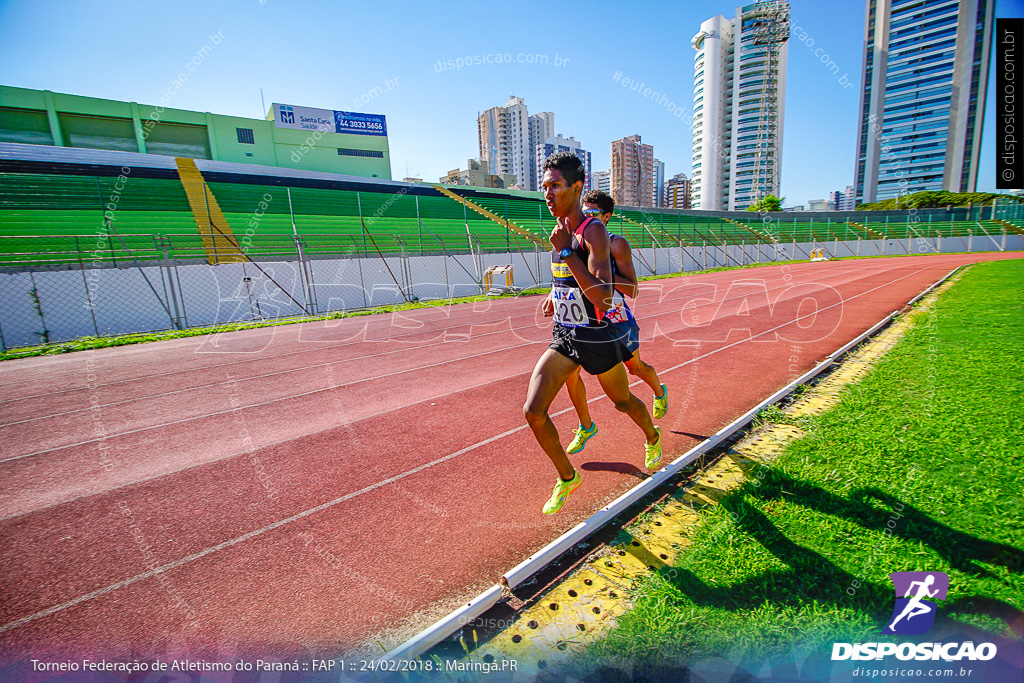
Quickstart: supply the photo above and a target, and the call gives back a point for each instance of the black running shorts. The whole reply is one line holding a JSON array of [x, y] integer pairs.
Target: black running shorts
[[596, 349]]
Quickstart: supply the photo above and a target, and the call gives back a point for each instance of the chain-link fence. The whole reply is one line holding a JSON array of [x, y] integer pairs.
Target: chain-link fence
[[152, 250], [63, 294]]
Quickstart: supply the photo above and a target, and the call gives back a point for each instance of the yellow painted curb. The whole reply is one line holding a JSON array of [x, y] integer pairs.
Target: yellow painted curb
[[872, 234], [761, 237], [503, 222]]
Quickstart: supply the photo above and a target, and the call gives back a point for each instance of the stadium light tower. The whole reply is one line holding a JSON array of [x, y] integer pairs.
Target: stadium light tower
[[771, 30], [739, 104]]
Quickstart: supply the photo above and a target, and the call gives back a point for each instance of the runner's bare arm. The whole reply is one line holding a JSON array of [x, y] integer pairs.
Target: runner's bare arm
[[594, 276], [625, 279], [599, 266]]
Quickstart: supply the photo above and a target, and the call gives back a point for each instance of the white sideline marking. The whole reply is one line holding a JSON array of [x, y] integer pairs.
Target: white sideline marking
[[300, 369], [321, 347], [371, 487], [251, 534]]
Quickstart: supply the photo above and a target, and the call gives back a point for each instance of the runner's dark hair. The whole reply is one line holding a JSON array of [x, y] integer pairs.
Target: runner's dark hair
[[568, 164], [603, 201]]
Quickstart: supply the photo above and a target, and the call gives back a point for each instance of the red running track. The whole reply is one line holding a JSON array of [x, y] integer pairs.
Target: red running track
[[312, 488]]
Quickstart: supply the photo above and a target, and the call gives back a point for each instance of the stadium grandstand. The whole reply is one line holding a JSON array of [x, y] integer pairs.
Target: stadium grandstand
[[53, 200]]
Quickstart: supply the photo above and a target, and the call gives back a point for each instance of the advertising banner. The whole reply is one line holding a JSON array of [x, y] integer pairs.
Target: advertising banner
[[328, 121]]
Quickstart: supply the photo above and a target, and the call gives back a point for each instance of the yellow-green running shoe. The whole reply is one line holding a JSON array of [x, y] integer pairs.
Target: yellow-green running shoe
[[581, 438], [562, 490], [661, 403], [652, 452]]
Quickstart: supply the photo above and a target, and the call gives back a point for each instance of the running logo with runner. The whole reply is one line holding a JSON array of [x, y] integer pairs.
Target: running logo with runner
[[913, 614], [569, 310]]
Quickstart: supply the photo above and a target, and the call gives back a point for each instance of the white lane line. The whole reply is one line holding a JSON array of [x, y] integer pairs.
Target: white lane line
[[265, 403], [341, 425], [320, 347], [332, 388], [252, 534], [330, 363], [245, 537]]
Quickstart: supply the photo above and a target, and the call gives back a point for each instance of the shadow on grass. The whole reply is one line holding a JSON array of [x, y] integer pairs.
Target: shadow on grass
[[808, 577], [811, 576]]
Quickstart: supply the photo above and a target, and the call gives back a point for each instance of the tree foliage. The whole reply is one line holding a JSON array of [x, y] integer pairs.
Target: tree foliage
[[768, 203], [934, 200]]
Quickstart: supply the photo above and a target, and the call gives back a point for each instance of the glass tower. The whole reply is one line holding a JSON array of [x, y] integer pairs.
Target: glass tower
[[925, 74]]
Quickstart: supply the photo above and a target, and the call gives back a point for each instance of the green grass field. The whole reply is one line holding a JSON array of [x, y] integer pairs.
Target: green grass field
[[917, 469]]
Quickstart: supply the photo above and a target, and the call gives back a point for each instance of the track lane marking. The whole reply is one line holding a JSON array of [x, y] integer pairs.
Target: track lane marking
[[323, 506], [339, 386], [342, 361], [823, 269]]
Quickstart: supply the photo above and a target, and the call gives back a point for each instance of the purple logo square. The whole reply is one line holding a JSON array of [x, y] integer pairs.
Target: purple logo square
[[914, 612]]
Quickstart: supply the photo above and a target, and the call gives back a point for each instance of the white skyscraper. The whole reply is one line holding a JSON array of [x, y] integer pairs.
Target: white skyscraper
[[509, 137], [658, 200], [542, 127], [739, 90]]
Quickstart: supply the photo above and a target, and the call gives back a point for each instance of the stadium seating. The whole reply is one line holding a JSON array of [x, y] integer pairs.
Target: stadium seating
[[58, 213]]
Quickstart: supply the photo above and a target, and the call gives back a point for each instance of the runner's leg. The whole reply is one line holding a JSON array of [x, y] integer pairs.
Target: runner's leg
[[578, 395], [549, 375], [616, 385], [647, 373]]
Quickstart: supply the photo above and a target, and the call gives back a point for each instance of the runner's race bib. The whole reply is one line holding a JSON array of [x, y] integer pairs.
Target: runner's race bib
[[619, 311], [616, 314], [569, 310]]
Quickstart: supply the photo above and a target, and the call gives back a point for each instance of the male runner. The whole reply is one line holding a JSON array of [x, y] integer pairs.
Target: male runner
[[582, 292], [599, 205]]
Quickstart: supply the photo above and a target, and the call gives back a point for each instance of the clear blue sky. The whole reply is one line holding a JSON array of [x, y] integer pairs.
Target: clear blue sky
[[330, 54]]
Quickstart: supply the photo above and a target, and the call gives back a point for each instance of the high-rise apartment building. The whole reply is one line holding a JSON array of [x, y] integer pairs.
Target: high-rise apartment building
[[658, 200], [509, 137], [843, 200], [602, 181], [553, 145], [632, 173], [847, 202], [739, 91], [922, 102], [677, 192]]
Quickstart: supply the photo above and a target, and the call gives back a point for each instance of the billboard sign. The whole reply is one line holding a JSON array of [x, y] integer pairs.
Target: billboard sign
[[328, 121], [360, 124]]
